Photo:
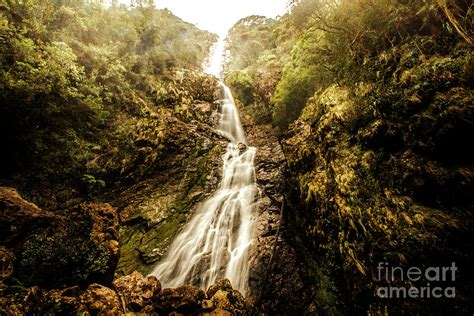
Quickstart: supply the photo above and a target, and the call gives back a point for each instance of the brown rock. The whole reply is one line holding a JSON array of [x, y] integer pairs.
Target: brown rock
[[137, 291], [242, 148], [99, 299], [7, 259], [224, 298], [221, 284], [104, 219], [231, 301], [64, 301], [207, 305], [19, 217], [24, 302], [48, 243], [218, 312], [184, 299]]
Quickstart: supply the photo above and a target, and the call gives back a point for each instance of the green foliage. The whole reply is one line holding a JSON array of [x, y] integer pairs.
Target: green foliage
[[335, 44], [381, 92], [258, 48], [75, 76], [298, 82], [62, 260], [248, 39], [380, 171], [92, 184], [241, 83]]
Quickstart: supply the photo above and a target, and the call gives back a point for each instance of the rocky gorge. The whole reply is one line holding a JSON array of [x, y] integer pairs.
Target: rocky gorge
[[344, 156], [128, 230], [71, 259]]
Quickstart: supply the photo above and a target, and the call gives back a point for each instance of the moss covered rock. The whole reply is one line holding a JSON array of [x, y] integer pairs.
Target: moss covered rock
[[184, 173], [76, 246]]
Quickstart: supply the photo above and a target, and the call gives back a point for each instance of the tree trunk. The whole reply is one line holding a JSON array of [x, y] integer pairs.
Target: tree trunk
[[444, 5]]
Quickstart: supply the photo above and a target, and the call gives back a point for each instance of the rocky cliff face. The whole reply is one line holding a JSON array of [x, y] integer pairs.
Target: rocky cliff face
[[64, 264], [152, 211], [276, 274], [176, 167]]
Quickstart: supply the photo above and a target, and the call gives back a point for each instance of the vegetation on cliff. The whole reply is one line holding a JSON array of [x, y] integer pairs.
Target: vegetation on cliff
[[82, 87], [96, 103], [373, 102]]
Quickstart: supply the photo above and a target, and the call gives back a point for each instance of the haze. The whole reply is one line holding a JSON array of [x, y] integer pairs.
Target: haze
[[218, 16]]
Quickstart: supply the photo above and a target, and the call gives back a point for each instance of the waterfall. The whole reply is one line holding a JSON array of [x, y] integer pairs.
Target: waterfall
[[215, 242]]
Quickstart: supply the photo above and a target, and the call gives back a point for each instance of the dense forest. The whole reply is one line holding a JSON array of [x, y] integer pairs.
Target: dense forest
[[361, 112], [81, 82], [373, 104]]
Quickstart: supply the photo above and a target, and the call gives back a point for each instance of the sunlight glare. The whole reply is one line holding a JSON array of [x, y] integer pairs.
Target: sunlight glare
[[218, 16]]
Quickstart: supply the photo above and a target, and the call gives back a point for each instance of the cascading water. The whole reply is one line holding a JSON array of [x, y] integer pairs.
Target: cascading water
[[215, 242]]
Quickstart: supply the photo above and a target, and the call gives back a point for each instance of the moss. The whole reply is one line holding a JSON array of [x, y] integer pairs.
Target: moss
[[63, 259], [381, 172], [241, 85], [166, 210]]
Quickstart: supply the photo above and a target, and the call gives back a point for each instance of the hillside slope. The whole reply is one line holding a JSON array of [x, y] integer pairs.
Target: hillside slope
[[373, 102]]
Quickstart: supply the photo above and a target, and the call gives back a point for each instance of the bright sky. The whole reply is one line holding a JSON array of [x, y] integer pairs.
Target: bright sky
[[218, 16]]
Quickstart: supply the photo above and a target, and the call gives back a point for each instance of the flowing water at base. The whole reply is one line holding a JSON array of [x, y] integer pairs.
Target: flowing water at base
[[215, 242]]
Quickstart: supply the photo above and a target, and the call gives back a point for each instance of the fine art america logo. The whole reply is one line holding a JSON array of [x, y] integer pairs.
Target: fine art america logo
[[434, 280]]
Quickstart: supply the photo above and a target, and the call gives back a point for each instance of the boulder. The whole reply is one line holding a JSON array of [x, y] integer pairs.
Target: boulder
[[137, 291], [224, 298], [231, 301], [184, 299], [221, 284], [207, 305], [242, 148], [57, 250], [99, 299], [19, 217], [63, 301]]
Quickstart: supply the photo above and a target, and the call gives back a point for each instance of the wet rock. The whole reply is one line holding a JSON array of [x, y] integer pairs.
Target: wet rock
[[153, 211], [223, 298], [207, 305], [275, 273], [242, 148], [184, 299], [99, 299], [137, 291], [231, 301], [64, 301], [221, 284]]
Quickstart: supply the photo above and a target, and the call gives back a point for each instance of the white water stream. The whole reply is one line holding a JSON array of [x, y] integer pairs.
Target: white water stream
[[215, 242]]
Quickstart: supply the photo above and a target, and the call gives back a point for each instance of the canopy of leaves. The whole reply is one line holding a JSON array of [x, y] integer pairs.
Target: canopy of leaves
[[320, 43], [73, 74]]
